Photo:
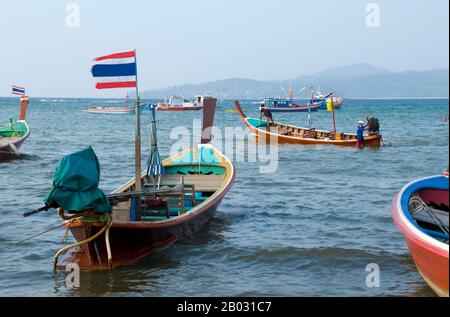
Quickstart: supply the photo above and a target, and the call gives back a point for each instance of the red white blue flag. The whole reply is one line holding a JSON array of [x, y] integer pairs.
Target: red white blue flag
[[16, 90], [115, 70]]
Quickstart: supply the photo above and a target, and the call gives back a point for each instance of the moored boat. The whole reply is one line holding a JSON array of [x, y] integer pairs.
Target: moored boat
[[322, 100], [176, 103], [109, 110], [285, 133], [421, 211], [184, 198], [289, 105], [14, 134]]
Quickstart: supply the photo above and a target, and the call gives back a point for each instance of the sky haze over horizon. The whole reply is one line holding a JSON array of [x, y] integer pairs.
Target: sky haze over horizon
[[195, 41]]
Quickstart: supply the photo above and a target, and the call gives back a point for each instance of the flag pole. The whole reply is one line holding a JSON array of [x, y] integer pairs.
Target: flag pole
[[136, 204], [334, 118], [137, 137]]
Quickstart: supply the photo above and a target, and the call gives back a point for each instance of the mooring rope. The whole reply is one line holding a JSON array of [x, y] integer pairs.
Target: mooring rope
[[79, 217], [31, 237], [418, 205]]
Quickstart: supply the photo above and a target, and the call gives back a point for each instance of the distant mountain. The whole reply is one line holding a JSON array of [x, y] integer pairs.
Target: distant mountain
[[354, 81], [352, 71]]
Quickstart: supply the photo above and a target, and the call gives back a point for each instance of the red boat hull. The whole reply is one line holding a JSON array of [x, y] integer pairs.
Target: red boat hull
[[130, 242], [162, 108], [429, 255]]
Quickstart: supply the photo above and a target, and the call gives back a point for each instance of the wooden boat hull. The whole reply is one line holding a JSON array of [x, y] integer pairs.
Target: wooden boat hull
[[9, 147], [429, 254], [260, 134], [268, 135], [133, 240], [131, 243], [101, 110]]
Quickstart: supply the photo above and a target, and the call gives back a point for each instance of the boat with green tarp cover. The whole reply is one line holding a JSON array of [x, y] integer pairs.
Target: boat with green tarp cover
[[176, 200], [14, 133]]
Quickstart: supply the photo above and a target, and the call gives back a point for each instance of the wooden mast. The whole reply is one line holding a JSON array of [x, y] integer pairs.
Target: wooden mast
[[137, 136], [334, 118]]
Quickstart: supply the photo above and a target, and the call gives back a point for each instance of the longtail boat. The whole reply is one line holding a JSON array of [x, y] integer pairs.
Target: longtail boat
[[421, 211], [285, 133], [111, 110], [14, 134], [175, 103], [186, 196]]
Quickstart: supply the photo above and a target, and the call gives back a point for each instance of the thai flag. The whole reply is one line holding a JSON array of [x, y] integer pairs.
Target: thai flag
[[16, 90], [115, 70]]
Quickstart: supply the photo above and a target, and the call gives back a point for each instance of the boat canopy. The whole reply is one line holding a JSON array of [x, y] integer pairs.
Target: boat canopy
[[177, 101], [75, 184], [277, 102]]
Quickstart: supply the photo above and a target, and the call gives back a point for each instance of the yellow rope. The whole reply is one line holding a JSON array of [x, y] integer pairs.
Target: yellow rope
[[95, 236], [108, 246]]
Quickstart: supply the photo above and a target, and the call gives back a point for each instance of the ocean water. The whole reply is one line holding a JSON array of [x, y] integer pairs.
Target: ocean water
[[309, 228]]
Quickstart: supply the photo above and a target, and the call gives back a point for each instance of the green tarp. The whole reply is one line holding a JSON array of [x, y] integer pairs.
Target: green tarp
[[75, 184]]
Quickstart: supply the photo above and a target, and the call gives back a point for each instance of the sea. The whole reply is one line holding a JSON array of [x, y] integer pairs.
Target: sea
[[299, 220]]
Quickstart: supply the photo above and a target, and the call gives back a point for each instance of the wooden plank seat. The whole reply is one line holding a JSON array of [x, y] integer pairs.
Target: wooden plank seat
[[181, 194], [202, 183], [327, 135], [175, 201], [309, 133]]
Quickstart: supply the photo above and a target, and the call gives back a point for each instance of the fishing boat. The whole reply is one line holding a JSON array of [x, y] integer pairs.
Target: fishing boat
[[111, 110], [289, 105], [14, 133], [421, 211], [176, 103], [172, 199], [322, 100], [175, 205], [284, 133]]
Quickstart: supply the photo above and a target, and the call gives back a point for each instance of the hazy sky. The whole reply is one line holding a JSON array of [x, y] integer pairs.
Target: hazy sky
[[193, 41]]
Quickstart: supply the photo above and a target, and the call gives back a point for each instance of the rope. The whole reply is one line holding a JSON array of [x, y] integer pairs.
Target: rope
[[30, 237], [66, 235], [95, 236], [418, 205]]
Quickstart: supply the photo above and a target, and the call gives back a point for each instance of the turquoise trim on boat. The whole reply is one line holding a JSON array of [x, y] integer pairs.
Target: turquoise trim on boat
[[205, 154], [194, 169], [188, 158], [257, 123]]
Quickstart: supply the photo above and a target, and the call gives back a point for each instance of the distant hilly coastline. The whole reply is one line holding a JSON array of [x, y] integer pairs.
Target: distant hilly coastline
[[358, 81]]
